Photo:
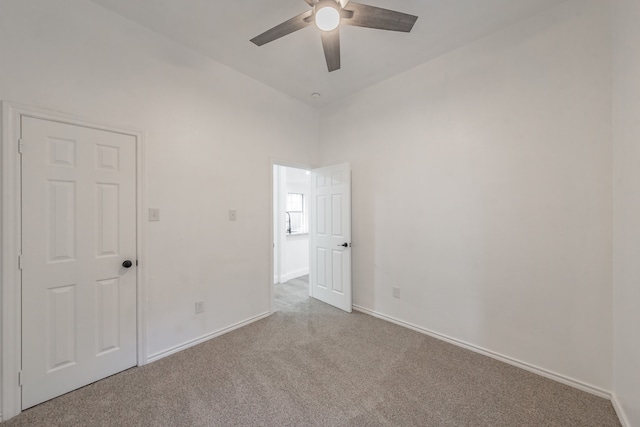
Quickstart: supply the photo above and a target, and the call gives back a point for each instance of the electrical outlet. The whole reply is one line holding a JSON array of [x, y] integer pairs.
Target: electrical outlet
[[154, 214], [199, 307], [232, 215], [396, 292]]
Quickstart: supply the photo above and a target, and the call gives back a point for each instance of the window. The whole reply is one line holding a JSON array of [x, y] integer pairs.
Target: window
[[295, 213]]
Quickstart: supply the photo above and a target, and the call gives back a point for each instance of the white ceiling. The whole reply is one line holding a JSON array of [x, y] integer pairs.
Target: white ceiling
[[295, 64]]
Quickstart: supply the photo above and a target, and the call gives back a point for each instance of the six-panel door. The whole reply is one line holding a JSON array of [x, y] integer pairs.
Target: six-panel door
[[331, 235], [78, 225]]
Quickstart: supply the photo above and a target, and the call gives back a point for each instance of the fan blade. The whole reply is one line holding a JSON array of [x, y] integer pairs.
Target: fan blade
[[310, 2], [287, 27], [382, 19], [343, 3], [331, 46]]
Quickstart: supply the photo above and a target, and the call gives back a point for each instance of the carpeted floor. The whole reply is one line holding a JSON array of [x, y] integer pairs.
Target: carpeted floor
[[290, 293], [310, 364]]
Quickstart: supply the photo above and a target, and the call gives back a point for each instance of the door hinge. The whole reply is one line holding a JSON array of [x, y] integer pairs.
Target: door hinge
[[20, 378], [20, 261], [20, 146]]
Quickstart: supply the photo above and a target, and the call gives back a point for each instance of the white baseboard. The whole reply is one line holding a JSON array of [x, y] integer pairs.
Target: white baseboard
[[620, 411], [506, 359], [207, 337], [294, 274]]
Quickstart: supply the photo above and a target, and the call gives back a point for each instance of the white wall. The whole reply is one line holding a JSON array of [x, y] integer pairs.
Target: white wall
[[482, 180], [482, 188], [297, 260], [626, 261], [292, 250], [211, 133]]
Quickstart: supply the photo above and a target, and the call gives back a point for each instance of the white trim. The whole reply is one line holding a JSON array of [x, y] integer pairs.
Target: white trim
[[617, 406], [141, 246], [178, 348], [290, 164], [11, 246], [11, 276], [272, 245], [294, 274], [506, 359]]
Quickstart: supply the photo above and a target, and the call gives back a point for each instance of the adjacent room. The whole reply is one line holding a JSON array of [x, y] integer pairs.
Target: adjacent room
[[291, 192], [240, 213]]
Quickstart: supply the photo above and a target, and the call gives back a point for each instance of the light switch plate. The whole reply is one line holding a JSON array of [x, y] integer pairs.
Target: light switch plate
[[199, 307], [232, 215], [154, 214]]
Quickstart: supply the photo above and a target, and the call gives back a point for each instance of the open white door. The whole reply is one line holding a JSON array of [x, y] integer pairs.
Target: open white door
[[78, 257], [330, 234]]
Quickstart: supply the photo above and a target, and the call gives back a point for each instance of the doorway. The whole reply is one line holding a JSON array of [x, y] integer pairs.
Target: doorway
[[291, 196], [312, 223]]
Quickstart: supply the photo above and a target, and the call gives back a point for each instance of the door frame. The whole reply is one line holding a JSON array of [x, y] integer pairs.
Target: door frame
[[288, 164], [11, 230]]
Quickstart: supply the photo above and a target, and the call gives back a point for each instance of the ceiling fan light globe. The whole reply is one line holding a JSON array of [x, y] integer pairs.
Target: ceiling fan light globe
[[327, 18]]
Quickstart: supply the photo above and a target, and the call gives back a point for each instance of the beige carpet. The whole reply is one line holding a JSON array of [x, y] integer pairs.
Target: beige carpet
[[311, 364], [290, 293]]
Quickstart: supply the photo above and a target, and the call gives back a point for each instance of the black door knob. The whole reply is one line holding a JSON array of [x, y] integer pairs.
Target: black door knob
[[127, 264], [346, 245]]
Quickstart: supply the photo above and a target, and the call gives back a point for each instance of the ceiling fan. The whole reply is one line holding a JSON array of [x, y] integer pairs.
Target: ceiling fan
[[328, 15]]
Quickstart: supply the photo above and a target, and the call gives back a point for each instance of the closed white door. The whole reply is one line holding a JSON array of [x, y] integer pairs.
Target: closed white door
[[331, 235], [78, 228]]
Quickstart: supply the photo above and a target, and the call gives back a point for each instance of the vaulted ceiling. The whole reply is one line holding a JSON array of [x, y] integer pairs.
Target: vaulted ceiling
[[295, 64]]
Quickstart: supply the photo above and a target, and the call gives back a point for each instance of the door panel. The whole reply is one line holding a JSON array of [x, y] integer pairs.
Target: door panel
[[60, 216], [78, 226], [107, 305], [330, 230], [61, 336]]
